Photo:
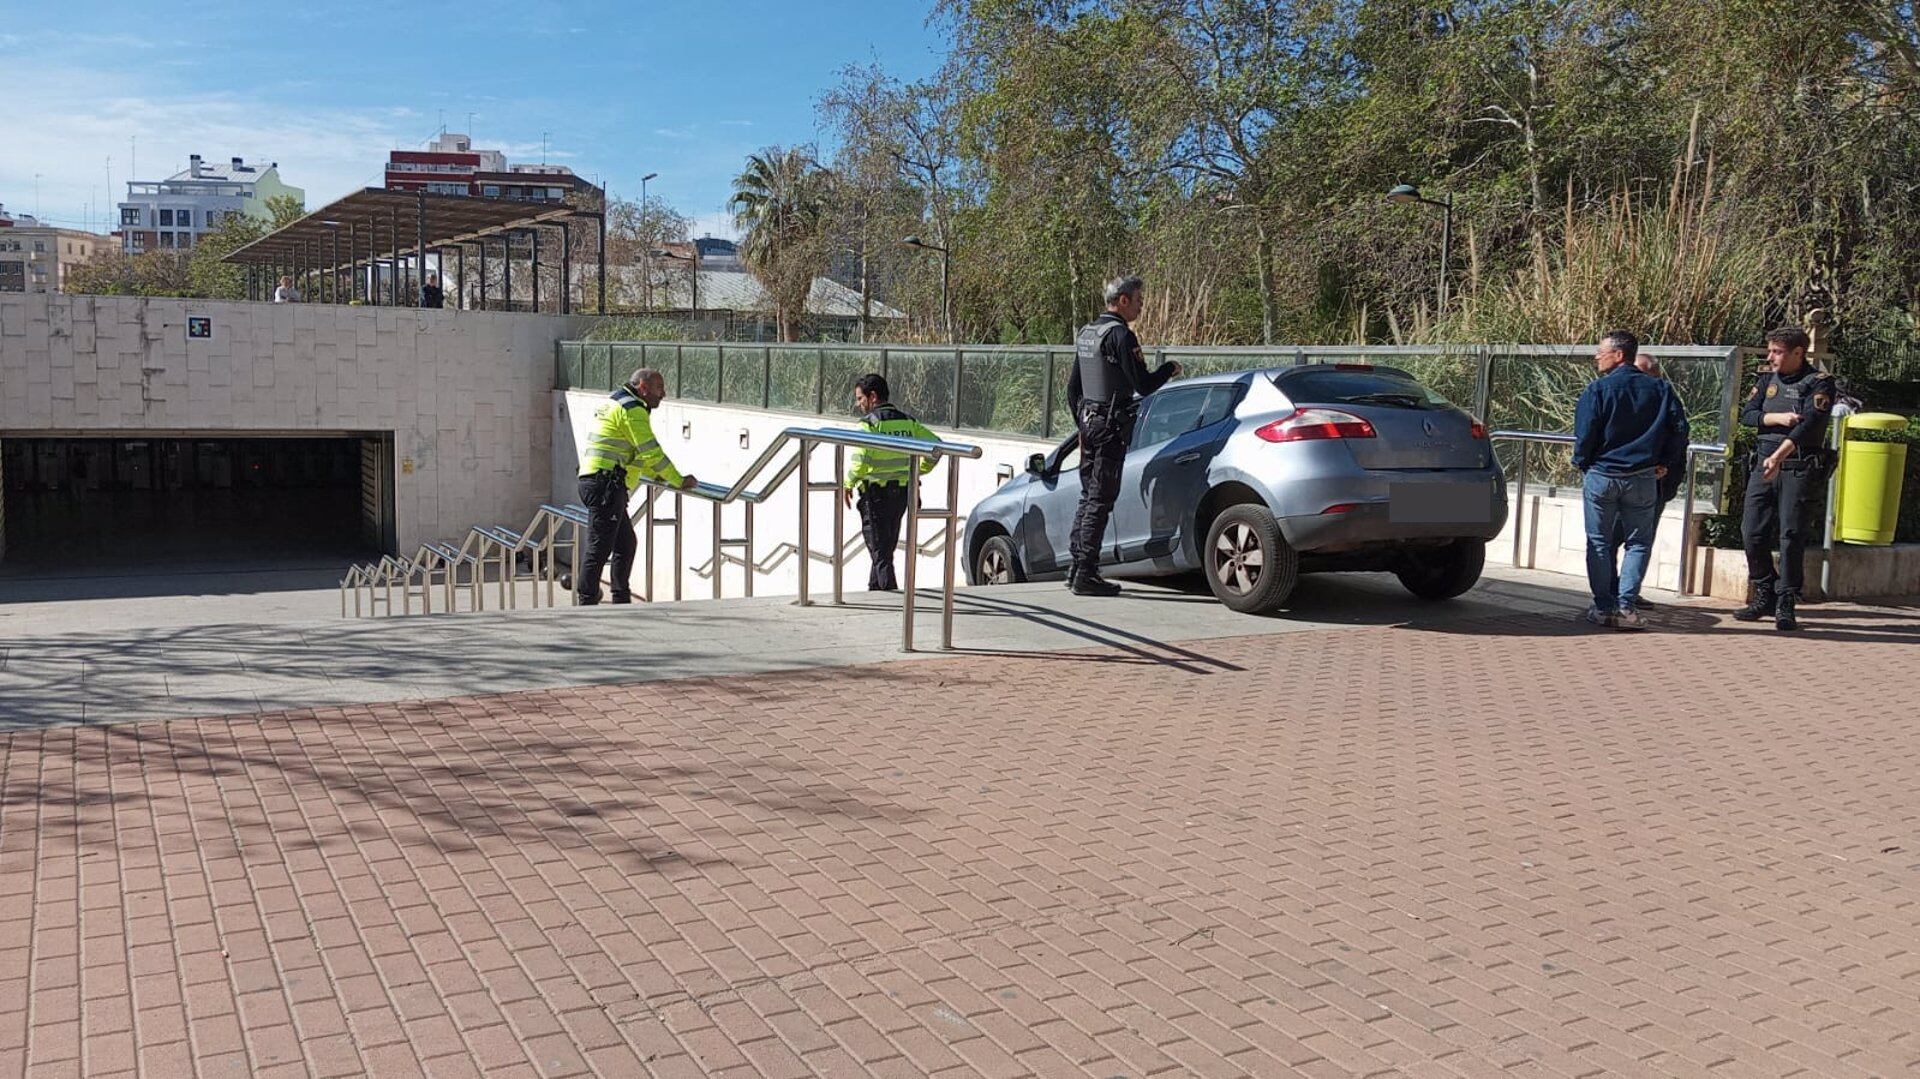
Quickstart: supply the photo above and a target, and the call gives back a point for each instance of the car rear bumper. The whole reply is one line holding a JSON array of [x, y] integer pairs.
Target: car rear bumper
[[1370, 523]]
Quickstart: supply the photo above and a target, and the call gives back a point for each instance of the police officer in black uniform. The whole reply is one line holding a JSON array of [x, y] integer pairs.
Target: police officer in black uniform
[[1109, 377], [1787, 476]]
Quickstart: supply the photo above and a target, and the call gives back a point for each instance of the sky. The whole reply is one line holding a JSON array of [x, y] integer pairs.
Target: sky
[[615, 90]]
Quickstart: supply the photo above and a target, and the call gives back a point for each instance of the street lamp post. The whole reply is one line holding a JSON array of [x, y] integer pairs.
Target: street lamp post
[[946, 271], [646, 270], [1408, 193], [693, 276]]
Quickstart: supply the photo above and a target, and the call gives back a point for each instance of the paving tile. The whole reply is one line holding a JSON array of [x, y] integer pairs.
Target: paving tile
[[1446, 848]]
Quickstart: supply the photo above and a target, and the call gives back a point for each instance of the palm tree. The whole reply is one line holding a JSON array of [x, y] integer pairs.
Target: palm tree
[[779, 204]]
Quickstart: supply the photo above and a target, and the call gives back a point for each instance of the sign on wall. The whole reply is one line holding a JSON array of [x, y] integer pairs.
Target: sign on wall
[[199, 327]]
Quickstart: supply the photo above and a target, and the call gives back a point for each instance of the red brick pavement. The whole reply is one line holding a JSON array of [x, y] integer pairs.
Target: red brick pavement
[[1504, 847]]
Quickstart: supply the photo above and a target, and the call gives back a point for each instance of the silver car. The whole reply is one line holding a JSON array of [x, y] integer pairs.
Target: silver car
[[1257, 477]]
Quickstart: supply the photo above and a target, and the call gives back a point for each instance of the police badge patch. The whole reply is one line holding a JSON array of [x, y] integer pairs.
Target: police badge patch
[[1773, 388]]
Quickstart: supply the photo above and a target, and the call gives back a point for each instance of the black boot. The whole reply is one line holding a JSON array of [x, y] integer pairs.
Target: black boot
[[1760, 606], [1783, 616], [1088, 582], [1072, 572]]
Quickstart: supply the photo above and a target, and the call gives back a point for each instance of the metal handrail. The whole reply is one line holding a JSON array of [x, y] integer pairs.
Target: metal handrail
[[486, 545], [1687, 541]]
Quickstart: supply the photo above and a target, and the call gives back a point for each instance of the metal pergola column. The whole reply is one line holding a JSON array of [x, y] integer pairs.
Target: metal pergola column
[[534, 263]]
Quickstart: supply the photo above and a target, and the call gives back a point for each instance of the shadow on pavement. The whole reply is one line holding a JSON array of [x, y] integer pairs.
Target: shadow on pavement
[[423, 772]]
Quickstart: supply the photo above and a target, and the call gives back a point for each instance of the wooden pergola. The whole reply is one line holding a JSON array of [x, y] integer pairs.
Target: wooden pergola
[[337, 252]]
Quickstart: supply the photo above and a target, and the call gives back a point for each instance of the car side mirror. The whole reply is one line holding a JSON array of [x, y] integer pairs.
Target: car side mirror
[[1037, 463]]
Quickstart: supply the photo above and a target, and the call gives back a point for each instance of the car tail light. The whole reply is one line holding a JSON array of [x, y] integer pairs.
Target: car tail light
[[1341, 507], [1478, 431], [1307, 424]]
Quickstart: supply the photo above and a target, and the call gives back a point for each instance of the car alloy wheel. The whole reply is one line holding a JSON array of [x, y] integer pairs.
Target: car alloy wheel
[[1238, 560], [994, 568]]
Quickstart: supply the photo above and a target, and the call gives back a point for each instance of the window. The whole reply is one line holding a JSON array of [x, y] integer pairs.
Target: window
[[40, 246], [491, 191], [130, 215], [1171, 413], [166, 217], [556, 193], [1321, 385], [186, 239], [183, 218], [166, 239]]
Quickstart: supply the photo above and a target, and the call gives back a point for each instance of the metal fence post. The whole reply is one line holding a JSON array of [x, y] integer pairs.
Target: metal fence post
[[839, 523], [1520, 502], [1046, 393], [766, 377], [820, 382], [804, 544], [958, 363], [953, 544], [913, 552], [1483, 385]]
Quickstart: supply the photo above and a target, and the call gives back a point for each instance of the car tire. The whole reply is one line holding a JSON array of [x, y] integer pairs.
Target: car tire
[[1250, 566], [998, 562], [1445, 572]]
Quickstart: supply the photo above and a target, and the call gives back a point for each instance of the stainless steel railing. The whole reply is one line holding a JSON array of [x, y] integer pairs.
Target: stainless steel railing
[[1688, 540], [493, 555]]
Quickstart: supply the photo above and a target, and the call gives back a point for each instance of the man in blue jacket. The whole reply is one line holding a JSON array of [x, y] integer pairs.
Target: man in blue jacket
[[1629, 431]]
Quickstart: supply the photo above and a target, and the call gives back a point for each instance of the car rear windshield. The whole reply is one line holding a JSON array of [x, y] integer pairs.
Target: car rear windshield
[[1332, 386]]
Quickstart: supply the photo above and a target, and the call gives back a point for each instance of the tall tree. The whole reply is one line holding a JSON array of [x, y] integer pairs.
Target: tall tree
[[779, 205]]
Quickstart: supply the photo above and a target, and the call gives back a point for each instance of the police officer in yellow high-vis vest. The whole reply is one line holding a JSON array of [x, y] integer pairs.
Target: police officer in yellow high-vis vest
[[621, 451], [881, 478]]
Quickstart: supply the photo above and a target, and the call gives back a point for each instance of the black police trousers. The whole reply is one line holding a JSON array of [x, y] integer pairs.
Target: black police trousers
[[1781, 516], [609, 537], [1103, 448], [881, 508]]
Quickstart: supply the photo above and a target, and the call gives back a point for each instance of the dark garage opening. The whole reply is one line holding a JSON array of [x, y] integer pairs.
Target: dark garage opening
[[122, 507]]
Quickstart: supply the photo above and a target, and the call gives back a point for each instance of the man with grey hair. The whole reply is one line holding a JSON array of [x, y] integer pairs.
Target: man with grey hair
[[621, 451], [1109, 378]]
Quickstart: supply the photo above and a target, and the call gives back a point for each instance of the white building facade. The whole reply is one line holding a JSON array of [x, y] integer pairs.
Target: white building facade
[[175, 212]]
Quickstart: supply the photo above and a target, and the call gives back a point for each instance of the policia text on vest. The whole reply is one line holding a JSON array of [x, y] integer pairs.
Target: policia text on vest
[[1109, 377], [880, 478], [621, 451], [1787, 476]]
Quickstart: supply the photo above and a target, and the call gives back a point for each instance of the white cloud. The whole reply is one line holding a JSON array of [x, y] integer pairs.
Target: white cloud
[[673, 132], [736, 123], [714, 224], [72, 120]]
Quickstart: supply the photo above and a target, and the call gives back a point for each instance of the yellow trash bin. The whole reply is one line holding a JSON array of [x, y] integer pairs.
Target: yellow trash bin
[[1869, 480]]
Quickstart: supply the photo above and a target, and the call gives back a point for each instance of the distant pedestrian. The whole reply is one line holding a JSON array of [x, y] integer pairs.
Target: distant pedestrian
[[286, 293], [881, 477], [1629, 433], [430, 294]]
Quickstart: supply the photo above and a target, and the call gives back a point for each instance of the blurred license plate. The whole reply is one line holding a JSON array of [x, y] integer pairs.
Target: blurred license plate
[[1440, 503]]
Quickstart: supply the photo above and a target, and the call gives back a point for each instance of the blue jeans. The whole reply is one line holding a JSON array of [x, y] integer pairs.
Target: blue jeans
[[1622, 511]]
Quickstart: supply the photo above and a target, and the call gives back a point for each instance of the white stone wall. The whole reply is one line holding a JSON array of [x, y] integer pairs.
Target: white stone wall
[[717, 443], [467, 395]]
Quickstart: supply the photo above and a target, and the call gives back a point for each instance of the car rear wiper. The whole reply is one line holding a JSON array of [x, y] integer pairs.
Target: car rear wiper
[[1406, 400]]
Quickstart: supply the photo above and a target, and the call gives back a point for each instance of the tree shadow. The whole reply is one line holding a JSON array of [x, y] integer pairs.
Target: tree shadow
[[436, 774]]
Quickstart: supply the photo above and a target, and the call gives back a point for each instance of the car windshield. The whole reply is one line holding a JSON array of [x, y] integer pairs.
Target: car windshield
[[1332, 386]]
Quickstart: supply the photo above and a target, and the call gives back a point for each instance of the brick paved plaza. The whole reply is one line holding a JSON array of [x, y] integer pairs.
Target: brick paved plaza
[[1502, 845]]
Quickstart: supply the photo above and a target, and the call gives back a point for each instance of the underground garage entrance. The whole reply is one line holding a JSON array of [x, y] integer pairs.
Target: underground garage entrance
[[174, 504]]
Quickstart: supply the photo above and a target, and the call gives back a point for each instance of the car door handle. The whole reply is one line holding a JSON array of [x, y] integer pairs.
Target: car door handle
[[1189, 458]]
